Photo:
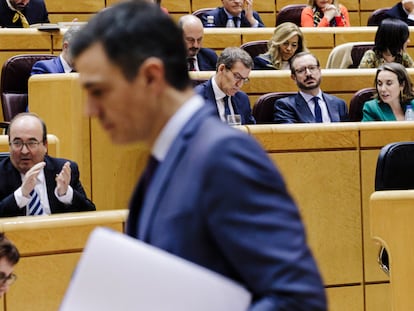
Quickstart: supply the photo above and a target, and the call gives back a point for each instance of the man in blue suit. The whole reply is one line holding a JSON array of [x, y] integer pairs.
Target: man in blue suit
[[61, 64], [310, 104], [233, 13], [198, 58], [22, 13], [403, 10], [210, 194], [222, 91]]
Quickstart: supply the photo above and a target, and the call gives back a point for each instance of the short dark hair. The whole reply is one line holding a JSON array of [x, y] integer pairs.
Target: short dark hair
[[8, 250], [131, 32], [391, 35], [31, 114]]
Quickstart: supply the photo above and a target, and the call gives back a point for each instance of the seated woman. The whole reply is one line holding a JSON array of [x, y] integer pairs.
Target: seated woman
[[391, 40], [394, 91], [324, 13], [287, 40]]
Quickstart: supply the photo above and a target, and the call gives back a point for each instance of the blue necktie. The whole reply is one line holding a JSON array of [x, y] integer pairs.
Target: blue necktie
[[318, 112], [226, 107], [35, 208]]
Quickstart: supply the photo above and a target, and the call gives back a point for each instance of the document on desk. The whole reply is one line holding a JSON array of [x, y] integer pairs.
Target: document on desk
[[116, 272]]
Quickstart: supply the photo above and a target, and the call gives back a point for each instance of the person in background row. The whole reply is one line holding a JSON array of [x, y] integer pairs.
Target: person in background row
[[198, 58], [33, 183], [394, 92], [310, 105], [9, 257], [233, 13], [22, 13], [287, 40], [325, 13], [62, 63], [391, 41], [403, 10], [210, 193], [223, 92]]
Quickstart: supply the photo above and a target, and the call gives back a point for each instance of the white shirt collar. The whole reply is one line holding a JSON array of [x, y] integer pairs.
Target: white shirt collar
[[174, 125], [65, 65], [218, 93]]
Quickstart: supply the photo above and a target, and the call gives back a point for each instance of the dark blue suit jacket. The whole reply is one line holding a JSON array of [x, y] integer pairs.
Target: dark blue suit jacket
[[261, 63], [53, 65], [397, 11], [240, 102], [294, 109], [220, 18], [207, 59], [35, 12], [218, 200], [10, 180]]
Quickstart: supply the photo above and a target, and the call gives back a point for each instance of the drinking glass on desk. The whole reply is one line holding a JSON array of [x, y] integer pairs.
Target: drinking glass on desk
[[233, 119]]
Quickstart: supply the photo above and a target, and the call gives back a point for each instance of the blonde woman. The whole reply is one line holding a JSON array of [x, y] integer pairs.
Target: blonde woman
[[325, 13], [287, 40]]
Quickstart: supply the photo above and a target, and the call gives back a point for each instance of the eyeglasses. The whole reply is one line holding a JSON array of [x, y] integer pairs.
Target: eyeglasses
[[7, 279], [17, 145], [237, 76], [311, 68]]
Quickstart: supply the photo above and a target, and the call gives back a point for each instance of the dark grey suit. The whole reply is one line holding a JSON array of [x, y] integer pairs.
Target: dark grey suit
[[294, 109]]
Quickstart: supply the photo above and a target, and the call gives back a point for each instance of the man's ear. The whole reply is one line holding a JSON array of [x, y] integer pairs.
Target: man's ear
[[293, 77], [152, 70]]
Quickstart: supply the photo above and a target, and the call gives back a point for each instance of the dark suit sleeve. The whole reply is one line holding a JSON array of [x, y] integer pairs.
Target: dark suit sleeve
[[257, 227], [283, 112], [257, 17], [343, 111], [80, 202]]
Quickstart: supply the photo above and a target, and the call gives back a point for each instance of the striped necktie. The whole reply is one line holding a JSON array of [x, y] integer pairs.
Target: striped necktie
[[35, 207], [23, 19]]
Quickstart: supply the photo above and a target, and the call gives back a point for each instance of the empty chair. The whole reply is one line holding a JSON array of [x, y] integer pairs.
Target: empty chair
[[357, 103], [395, 171], [290, 13], [377, 16], [263, 107], [255, 48], [14, 82]]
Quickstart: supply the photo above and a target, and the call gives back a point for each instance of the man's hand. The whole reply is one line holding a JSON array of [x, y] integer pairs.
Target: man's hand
[[249, 11], [63, 179], [330, 11], [29, 179]]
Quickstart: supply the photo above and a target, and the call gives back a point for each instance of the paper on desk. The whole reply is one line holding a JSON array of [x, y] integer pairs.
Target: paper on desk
[[116, 272]]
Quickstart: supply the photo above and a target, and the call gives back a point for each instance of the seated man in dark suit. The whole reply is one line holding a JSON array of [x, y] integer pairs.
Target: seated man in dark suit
[[233, 13], [61, 64], [198, 58], [310, 104], [33, 183], [223, 89], [403, 10], [22, 13]]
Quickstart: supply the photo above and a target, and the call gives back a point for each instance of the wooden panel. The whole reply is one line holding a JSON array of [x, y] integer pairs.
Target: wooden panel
[[281, 3], [351, 5], [335, 209], [391, 214], [354, 19], [345, 298], [370, 5], [377, 297], [269, 19], [215, 39], [354, 34], [74, 5], [69, 17], [177, 6], [115, 169], [58, 100], [24, 39], [373, 134], [200, 4], [42, 282]]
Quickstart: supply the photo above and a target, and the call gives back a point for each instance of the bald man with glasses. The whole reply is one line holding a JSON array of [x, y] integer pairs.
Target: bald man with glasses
[[33, 183], [223, 90]]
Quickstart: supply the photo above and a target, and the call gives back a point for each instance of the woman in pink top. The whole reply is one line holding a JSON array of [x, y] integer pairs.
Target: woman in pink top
[[324, 13]]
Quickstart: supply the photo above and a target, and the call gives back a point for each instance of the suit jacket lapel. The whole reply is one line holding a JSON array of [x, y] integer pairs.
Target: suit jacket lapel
[[165, 170], [332, 111], [303, 110]]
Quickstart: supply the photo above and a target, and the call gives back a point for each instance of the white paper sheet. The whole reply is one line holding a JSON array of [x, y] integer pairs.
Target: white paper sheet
[[118, 273]]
